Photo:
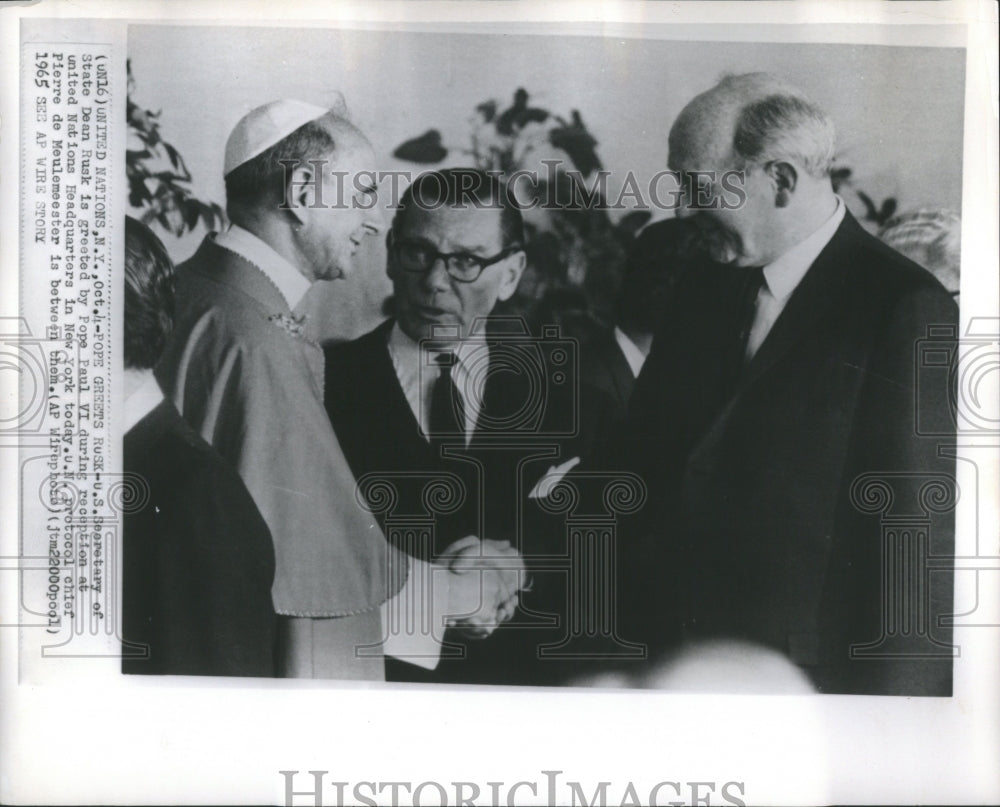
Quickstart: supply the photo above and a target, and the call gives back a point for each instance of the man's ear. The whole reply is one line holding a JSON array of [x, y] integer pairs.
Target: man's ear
[[784, 177], [300, 190], [513, 268]]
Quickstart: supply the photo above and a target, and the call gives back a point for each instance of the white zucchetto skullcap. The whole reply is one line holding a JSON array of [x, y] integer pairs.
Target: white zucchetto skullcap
[[266, 125]]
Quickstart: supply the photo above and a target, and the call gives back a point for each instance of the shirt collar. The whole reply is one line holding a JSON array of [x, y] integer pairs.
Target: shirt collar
[[405, 352], [785, 273], [292, 284], [416, 372], [635, 357], [142, 400], [408, 351]]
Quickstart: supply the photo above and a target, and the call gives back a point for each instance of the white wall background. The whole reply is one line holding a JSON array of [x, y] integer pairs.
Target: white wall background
[[898, 110]]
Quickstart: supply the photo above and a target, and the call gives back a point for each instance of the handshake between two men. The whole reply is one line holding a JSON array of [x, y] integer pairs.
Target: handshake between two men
[[483, 587]]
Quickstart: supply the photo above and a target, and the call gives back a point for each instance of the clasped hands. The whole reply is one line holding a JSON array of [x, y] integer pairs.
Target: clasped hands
[[486, 577]]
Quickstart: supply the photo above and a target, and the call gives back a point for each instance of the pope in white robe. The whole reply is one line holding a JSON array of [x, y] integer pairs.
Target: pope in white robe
[[240, 369]]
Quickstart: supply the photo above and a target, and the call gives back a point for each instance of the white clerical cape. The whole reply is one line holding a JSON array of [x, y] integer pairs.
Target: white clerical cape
[[239, 369]]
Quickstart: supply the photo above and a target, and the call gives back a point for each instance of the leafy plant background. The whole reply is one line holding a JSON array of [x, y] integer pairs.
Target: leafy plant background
[[576, 253], [875, 215], [158, 179]]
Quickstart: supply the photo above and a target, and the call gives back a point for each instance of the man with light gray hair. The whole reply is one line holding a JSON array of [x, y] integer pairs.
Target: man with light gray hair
[[242, 369], [781, 412]]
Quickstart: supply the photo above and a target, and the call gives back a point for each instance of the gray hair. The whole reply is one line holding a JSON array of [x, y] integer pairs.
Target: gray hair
[[775, 121]]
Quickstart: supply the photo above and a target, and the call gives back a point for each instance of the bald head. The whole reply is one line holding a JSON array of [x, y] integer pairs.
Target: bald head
[[752, 119], [759, 136]]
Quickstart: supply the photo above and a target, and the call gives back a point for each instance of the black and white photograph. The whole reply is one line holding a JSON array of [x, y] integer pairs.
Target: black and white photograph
[[593, 408], [512, 246]]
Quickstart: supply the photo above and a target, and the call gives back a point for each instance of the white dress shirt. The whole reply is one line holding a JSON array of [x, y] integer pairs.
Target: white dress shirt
[[417, 373], [289, 281], [783, 275], [143, 399], [635, 357]]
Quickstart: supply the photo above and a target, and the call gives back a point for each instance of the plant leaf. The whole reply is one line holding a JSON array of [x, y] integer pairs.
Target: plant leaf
[[424, 149], [191, 210], [578, 143], [871, 213], [488, 109], [888, 208], [175, 158]]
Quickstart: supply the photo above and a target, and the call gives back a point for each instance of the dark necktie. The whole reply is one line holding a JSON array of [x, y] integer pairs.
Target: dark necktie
[[447, 416], [746, 308]]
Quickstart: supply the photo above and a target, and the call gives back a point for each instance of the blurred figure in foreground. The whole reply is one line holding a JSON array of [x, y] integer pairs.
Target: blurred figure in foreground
[[728, 666], [791, 735], [198, 561]]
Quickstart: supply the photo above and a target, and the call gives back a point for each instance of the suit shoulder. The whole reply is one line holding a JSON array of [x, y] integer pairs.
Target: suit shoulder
[[348, 363], [877, 263], [900, 286], [355, 354]]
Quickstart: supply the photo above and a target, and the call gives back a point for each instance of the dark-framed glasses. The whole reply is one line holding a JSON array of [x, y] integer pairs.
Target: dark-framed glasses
[[418, 257]]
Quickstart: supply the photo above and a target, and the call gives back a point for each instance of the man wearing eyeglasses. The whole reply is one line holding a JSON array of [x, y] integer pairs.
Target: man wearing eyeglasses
[[241, 369], [437, 393]]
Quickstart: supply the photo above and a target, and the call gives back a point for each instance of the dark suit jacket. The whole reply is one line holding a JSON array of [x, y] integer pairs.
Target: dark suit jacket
[[198, 561], [509, 451], [661, 254], [765, 518], [604, 368]]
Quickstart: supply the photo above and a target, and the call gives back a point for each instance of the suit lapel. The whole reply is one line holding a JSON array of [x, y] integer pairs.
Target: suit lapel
[[815, 298], [493, 401], [401, 424], [621, 373], [501, 393]]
